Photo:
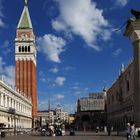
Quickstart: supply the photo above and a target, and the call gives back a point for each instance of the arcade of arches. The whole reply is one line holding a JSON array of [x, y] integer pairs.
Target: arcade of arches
[[90, 120]]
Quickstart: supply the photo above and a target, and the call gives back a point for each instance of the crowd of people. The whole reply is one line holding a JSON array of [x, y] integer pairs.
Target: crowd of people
[[51, 130]]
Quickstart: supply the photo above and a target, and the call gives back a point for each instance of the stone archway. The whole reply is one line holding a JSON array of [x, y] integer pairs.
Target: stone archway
[[85, 122], [78, 122]]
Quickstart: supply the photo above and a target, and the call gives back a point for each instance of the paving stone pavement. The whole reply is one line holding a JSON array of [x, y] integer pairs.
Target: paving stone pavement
[[78, 136]]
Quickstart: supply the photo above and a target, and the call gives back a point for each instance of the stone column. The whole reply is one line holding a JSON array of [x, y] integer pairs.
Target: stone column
[[9, 121], [8, 102], [2, 100], [6, 105], [133, 32], [12, 103]]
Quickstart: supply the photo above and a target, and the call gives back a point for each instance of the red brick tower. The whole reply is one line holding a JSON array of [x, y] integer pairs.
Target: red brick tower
[[25, 57]]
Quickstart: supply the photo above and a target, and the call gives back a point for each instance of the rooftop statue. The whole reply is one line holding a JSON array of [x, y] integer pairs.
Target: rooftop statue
[[135, 13]]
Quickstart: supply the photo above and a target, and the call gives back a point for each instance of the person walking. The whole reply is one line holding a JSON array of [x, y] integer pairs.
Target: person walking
[[128, 131], [109, 129], [132, 132]]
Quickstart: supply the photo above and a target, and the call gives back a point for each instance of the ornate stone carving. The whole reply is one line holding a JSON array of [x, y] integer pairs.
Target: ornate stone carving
[[135, 35], [135, 13]]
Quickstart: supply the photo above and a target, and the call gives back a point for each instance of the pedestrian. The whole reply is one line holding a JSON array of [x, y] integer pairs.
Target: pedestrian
[[109, 129], [105, 129], [128, 131], [132, 132], [97, 129]]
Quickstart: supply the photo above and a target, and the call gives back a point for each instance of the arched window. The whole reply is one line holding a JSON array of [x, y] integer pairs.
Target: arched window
[[127, 85], [22, 48], [11, 103], [25, 48], [4, 100], [19, 49], [7, 102], [28, 48], [112, 98]]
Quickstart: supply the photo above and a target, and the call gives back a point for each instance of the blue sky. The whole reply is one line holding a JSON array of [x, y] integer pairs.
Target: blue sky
[[79, 50]]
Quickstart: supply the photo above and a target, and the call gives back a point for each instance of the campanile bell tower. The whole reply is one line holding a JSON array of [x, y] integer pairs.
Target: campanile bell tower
[[25, 57]]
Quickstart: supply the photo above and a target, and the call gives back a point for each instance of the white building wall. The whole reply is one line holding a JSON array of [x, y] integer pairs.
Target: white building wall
[[90, 103], [10, 99]]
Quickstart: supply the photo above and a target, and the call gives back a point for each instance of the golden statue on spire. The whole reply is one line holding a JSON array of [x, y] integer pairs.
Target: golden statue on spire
[[26, 2]]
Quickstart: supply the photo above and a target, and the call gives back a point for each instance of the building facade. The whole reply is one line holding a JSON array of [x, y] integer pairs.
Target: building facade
[[71, 119], [91, 111], [15, 109], [120, 101], [56, 116], [25, 57], [60, 116], [124, 95], [45, 117], [95, 101]]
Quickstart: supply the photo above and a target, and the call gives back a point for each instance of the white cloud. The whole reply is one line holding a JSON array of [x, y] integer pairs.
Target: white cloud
[[42, 77], [69, 68], [5, 47], [1, 7], [117, 52], [1, 65], [78, 92], [41, 74], [86, 89], [54, 70], [75, 88], [1, 15], [60, 81], [1, 23], [43, 80], [8, 73], [82, 18], [76, 84], [5, 44], [52, 46], [121, 2], [59, 96]]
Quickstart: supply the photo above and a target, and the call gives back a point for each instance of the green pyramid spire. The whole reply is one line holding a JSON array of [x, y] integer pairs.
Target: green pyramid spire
[[25, 20]]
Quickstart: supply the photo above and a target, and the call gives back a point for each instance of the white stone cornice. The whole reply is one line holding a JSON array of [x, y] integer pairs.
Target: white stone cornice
[[26, 58], [28, 40]]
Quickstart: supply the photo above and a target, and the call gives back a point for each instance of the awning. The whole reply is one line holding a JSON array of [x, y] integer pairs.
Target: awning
[[3, 120]]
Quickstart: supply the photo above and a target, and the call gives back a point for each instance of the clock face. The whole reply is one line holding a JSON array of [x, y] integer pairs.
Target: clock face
[[23, 36]]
